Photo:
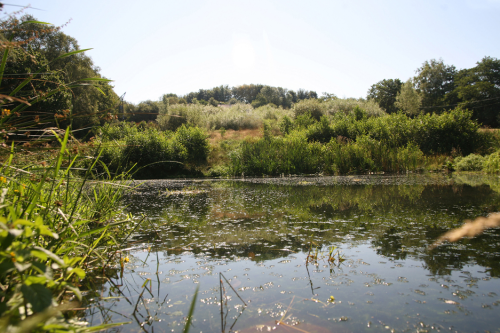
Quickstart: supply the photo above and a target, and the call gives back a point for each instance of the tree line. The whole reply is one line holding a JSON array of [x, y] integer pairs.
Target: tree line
[[437, 87], [255, 94]]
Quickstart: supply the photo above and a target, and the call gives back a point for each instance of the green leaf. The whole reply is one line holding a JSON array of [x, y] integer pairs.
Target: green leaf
[[105, 327], [78, 271], [71, 261], [28, 232], [44, 230], [100, 90], [38, 296], [39, 221], [4, 60], [38, 22], [41, 268], [70, 54], [7, 241], [61, 151], [23, 222], [32, 279], [39, 254], [51, 255]]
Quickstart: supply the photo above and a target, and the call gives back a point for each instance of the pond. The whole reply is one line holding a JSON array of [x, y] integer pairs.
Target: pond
[[326, 254]]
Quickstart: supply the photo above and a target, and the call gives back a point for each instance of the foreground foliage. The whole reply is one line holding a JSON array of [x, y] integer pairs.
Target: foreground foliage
[[52, 226]]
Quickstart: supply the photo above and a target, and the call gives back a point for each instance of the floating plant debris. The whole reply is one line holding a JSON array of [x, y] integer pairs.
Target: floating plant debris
[[295, 254]]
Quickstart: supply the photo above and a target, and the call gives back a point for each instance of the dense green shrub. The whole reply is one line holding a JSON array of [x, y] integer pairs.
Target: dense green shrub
[[492, 163], [395, 130], [448, 131], [285, 125], [312, 106], [195, 141], [276, 155], [153, 153], [303, 121], [294, 154], [471, 162], [118, 131], [156, 154], [367, 154], [347, 106], [321, 131], [444, 133]]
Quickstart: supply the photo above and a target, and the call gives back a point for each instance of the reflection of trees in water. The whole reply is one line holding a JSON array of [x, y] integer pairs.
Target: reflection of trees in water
[[239, 219], [483, 250], [390, 244]]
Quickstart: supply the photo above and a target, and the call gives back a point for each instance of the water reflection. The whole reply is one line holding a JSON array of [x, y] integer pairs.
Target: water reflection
[[267, 221], [260, 233]]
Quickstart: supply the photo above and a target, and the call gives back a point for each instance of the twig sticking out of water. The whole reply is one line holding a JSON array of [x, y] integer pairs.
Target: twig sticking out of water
[[233, 289], [469, 229], [286, 311], [144, 287]]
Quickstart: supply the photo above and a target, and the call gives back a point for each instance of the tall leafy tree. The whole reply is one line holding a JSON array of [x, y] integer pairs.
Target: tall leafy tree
[[247, 92], [222, 93], [479, 90], [434, 82], [271, 94], [304, 94], [384, 93], [89, 106], [408, 99]]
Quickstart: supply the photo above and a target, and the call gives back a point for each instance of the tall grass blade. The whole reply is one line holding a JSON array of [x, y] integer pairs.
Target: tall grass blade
[[61, 151], [191, 311], [37, 22], [70, 54]]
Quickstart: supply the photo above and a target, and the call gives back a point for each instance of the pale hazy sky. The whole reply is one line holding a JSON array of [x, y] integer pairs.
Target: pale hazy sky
[[339, 46]]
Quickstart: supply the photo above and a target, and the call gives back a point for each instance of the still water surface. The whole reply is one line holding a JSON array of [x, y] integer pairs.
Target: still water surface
[[259, 232]]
